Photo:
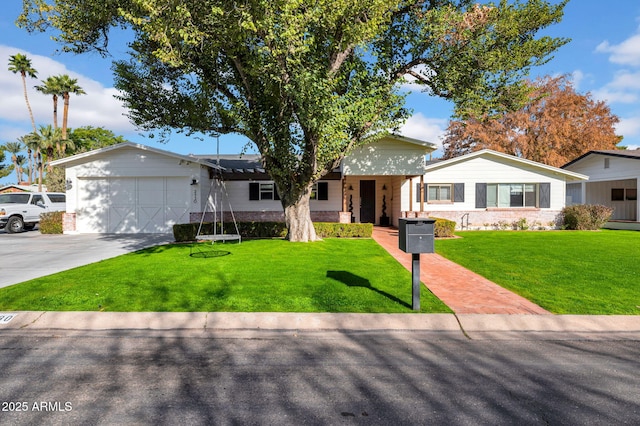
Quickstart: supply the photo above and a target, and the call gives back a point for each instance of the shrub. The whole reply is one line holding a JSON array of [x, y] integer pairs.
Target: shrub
[[443, 227], [51, 223], [521, 224], [586, 217]]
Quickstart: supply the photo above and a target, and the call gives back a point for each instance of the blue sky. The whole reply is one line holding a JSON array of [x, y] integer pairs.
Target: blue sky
[[603, 58]]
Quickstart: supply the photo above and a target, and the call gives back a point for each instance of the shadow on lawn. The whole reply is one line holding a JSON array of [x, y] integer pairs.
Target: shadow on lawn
[[351, 280], [198, 252]]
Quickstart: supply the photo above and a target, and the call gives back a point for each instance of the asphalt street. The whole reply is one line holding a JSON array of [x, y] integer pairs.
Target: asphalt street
[[289, 378]]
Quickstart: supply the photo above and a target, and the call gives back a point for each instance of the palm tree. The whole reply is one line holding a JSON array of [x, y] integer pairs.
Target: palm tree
[[19, 63], [32, 142], [46, 141], [24, 140], [51, 86], [68, 86], [14, 148], [20, 159]]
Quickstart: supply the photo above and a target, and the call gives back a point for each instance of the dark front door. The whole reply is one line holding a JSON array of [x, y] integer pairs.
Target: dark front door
[[367, 201]]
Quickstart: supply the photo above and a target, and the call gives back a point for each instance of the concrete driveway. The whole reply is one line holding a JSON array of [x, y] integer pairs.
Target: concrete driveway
[[31, 254]]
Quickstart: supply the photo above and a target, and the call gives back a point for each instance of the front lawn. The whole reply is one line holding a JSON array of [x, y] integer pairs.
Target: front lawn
[[565, 272], [334, 275]]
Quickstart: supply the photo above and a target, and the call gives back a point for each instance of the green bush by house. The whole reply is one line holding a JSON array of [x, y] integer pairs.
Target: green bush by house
[[443, 228], [586, 217], [51, 223], [188, 231]]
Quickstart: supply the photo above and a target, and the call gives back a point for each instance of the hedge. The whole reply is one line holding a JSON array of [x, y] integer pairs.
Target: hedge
[[188, 231]]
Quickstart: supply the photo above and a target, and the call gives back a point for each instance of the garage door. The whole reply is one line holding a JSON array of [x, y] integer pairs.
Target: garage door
[[131, 205]]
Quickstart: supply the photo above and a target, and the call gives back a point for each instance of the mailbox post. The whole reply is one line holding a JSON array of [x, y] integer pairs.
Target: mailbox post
[[416, 236]]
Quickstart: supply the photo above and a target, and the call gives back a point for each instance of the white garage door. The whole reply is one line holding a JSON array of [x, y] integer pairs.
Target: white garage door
[[131, 205]]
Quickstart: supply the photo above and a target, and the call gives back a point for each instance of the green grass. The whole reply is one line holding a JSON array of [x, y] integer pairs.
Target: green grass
[[565, 272], [334, 275]]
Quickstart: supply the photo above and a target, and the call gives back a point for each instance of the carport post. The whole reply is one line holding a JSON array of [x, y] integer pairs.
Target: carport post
[[415, 281]]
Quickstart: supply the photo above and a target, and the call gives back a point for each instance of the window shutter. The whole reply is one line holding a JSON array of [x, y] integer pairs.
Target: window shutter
[[276, 195], [481, 195], [458, 192], [254, 191], [545, 195], [323, 191], [418, 193]]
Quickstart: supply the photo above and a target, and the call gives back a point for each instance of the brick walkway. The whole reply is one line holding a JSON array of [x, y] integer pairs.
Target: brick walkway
[[465, 292]]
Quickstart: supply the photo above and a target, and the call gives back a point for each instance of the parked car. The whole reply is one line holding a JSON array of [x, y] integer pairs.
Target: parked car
[[20, 211]]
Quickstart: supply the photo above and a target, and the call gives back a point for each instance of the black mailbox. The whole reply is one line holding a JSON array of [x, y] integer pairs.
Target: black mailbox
[[416, 235]]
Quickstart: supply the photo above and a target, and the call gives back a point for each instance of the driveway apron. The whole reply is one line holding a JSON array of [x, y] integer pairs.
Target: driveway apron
[[29, 255]]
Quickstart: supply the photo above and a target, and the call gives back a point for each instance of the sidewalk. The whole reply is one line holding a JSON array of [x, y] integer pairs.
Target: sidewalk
[[465, 292], [224, 324]]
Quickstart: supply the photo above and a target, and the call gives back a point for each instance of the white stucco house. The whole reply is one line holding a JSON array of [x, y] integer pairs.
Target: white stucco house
[[486, 189], [132, 188], [613, 181]]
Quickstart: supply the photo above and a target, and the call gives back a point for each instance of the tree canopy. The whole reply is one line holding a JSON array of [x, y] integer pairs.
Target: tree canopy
[[306, 82], [555, 126]]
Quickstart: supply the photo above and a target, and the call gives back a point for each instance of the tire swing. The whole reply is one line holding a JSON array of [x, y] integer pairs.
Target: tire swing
[[217, 198]]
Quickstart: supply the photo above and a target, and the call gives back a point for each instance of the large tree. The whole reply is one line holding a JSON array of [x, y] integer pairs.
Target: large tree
[[21, 64], [555, 126], [306, 82], [88, 138]]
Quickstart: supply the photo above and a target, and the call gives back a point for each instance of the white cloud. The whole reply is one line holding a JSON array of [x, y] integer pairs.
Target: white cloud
[[625, 53], [577, 77], [624, 88], [97, 108], [628, 127], [424, 128]]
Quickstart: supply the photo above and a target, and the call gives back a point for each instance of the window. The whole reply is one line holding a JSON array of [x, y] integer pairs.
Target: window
[[13, 198], [617, 194], [37, 199], [512, 195], [263, 191], [266, 191], [438, 193], [56, 198], [632, 194], [621, 194], [441, 193], [606, 163], [320, 191]]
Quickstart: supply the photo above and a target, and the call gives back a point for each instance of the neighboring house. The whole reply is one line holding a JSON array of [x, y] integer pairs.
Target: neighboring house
[[613, 182], [131, 188], [488, 189], [21, 188]]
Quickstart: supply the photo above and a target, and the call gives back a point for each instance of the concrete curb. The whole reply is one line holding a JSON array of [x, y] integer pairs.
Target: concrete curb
[[551, 327], [471, 326]]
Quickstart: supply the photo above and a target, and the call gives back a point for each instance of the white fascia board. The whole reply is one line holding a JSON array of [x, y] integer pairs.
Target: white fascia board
[[511, 158]]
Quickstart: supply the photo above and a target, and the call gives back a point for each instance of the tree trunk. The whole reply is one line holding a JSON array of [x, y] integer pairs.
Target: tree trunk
[[297, 215], [26, 99]]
